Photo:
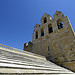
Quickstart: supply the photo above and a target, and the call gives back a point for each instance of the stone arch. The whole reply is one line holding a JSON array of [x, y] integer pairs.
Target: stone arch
[[42, 32], [59, 23], [50, 30], [36, 34], [45, 20]]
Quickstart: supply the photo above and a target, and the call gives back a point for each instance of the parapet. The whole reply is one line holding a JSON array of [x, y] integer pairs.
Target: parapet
[[28, 47]]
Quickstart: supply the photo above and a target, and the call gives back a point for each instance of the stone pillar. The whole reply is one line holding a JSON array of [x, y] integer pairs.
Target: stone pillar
[[46, 29], [34, 35], [54, 26], [39, 32]]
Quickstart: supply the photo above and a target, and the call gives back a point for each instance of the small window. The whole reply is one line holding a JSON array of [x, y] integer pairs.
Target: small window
[[45, 20], [57, 14], [59, 24], [50, 30], [42, 32], [36, 34]]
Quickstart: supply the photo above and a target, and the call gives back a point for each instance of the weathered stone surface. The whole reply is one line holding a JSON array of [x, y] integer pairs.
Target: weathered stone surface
[[58, 40], [17, 62]]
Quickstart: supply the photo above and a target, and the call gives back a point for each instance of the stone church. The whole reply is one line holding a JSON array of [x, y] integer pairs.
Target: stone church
[[54, 39], [51, 52]]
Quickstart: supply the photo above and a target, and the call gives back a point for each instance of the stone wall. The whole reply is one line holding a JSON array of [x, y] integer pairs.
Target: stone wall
[[58, 45]]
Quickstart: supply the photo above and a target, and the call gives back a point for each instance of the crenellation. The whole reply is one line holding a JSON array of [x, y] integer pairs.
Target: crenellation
[[28, 47]]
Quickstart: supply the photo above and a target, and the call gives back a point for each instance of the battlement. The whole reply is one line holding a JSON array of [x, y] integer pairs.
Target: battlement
[[28, 47]]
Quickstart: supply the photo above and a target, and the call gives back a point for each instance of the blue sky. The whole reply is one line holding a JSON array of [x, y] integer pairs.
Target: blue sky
[[18, 18]]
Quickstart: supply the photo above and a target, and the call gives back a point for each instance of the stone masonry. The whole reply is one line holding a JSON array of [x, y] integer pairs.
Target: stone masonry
[[54, 39], [18, 62]]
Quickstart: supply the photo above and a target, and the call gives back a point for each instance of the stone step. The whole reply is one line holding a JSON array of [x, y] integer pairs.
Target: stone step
[[21, 52], [36, 65], [4, 58], [9, 54], [45, 62], [6, 65], [22, 58], [12, 61], [22, 63], [11, 71], [30, 63], [28, 60], [11, 65], [51, 68]]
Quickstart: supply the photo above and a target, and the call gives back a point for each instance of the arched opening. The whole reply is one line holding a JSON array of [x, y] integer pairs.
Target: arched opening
[[45, 20], [50, 30], [42, 32], [36, 34], [59, 24]]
